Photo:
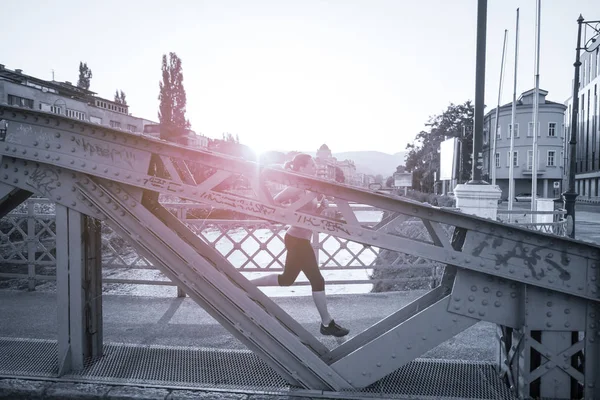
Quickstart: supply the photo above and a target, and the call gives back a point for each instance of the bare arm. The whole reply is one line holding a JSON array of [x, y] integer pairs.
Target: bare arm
[[287, 194]]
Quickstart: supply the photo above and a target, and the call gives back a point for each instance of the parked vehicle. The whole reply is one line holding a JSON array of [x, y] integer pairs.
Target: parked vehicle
[[524, 197]]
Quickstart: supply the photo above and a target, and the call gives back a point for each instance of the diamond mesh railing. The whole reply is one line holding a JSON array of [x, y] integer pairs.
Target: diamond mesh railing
[[28, 247]]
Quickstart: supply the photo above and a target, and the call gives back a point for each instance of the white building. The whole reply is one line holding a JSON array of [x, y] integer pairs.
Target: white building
[[550, 154]]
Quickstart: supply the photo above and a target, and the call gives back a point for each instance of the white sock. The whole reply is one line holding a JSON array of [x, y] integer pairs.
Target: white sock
[[321, 303], [267, 280]]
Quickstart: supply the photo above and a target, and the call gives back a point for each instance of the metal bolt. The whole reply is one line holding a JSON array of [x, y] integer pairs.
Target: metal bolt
[[58, 198], [499, 293], [471, 310], [471, 298], [549, 304], [548, 324], [567, 324], [484, 302], [473, 288], [486, 289], [497, 304], [513, 295], [481, 313], [549, 314], [47, 145]]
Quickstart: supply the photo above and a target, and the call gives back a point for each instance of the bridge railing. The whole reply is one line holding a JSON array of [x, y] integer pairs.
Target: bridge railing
[[28, 243], [552, 222]]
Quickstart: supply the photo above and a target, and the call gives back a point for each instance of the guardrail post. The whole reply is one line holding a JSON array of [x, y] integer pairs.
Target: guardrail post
[[31, 246]]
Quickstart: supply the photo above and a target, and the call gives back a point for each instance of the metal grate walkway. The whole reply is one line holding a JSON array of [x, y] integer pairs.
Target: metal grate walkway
[[204, 368]]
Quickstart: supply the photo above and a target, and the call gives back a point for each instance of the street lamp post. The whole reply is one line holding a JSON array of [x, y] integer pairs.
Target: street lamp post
[[476, 178], [570, 195]]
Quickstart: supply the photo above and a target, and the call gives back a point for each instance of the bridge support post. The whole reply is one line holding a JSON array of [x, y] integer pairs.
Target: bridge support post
[[78, 287]]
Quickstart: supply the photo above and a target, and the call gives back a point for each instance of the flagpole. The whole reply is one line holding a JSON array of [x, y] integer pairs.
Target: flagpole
[[498, 107], [536, 105], [511, 170]]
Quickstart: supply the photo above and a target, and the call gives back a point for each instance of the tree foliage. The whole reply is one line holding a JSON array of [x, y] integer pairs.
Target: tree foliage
[[172, 97], [423, 157], [120, 97], [85, 76]]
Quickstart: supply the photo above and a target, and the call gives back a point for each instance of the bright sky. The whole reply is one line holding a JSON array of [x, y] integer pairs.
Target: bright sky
[[292, 75]]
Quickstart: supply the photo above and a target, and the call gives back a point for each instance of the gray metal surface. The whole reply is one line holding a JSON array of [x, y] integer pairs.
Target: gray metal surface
[[241, 370]]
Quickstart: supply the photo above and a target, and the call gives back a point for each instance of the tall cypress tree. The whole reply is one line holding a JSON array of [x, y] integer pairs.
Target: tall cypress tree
[[172, 97], [85, 76]]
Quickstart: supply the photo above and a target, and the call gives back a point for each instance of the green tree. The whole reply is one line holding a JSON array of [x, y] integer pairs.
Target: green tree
[[85, 76], [423, 158], [172, 97], [120, 97]]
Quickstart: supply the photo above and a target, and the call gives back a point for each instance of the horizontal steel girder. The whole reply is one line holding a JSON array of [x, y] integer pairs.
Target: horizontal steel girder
[[123, 157]]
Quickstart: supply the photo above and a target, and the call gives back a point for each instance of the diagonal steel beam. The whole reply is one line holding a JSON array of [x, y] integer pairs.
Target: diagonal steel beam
[[223, 299], [402, 344], [386, 324], [221, 263]]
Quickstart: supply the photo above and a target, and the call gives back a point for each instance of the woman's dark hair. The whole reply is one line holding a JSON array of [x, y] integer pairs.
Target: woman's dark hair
[[299, 161]]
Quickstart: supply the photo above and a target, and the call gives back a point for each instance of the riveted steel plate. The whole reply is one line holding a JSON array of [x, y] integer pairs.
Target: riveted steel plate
[[548, 310], [102, 149], [205, 368], [540, 262], [486, 297]]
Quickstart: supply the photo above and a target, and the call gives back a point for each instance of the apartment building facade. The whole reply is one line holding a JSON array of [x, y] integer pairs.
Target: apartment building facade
[[63, 98], [550, 143], [587, 160]]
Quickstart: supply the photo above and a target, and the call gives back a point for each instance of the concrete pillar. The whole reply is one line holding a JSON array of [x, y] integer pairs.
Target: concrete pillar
[[593, 188], [586, 190], [545, 190], [78, 287], [480, 200]]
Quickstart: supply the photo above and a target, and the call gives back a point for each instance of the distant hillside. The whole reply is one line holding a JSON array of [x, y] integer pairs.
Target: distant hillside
[[373, 162]]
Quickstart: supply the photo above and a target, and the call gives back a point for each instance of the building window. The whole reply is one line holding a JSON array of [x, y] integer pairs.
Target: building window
[[529, 159], [551, 158], [20, 101], [96, 120], [562, 158], [497, 160], [516, 130], [115, 124], [552, 129], [530, 129], [499, 132], [131, 128], [515, 159], [75, 114]]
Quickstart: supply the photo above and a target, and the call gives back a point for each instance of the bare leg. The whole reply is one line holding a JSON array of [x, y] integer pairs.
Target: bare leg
[[267, 280]]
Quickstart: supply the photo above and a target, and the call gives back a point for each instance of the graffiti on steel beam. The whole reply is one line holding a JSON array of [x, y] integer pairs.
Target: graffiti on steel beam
[[44, 180], [161, 183], [527, 253], [106, 151], [241, 204], [324, 224]]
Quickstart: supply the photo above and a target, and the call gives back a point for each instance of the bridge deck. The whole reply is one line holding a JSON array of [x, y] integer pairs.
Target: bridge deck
[[242, 370]]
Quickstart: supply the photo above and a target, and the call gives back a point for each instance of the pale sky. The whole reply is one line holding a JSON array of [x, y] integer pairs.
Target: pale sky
[[292, 75]]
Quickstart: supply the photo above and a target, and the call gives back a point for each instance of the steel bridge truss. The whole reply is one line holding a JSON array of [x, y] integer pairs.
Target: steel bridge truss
[[542, 291]]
